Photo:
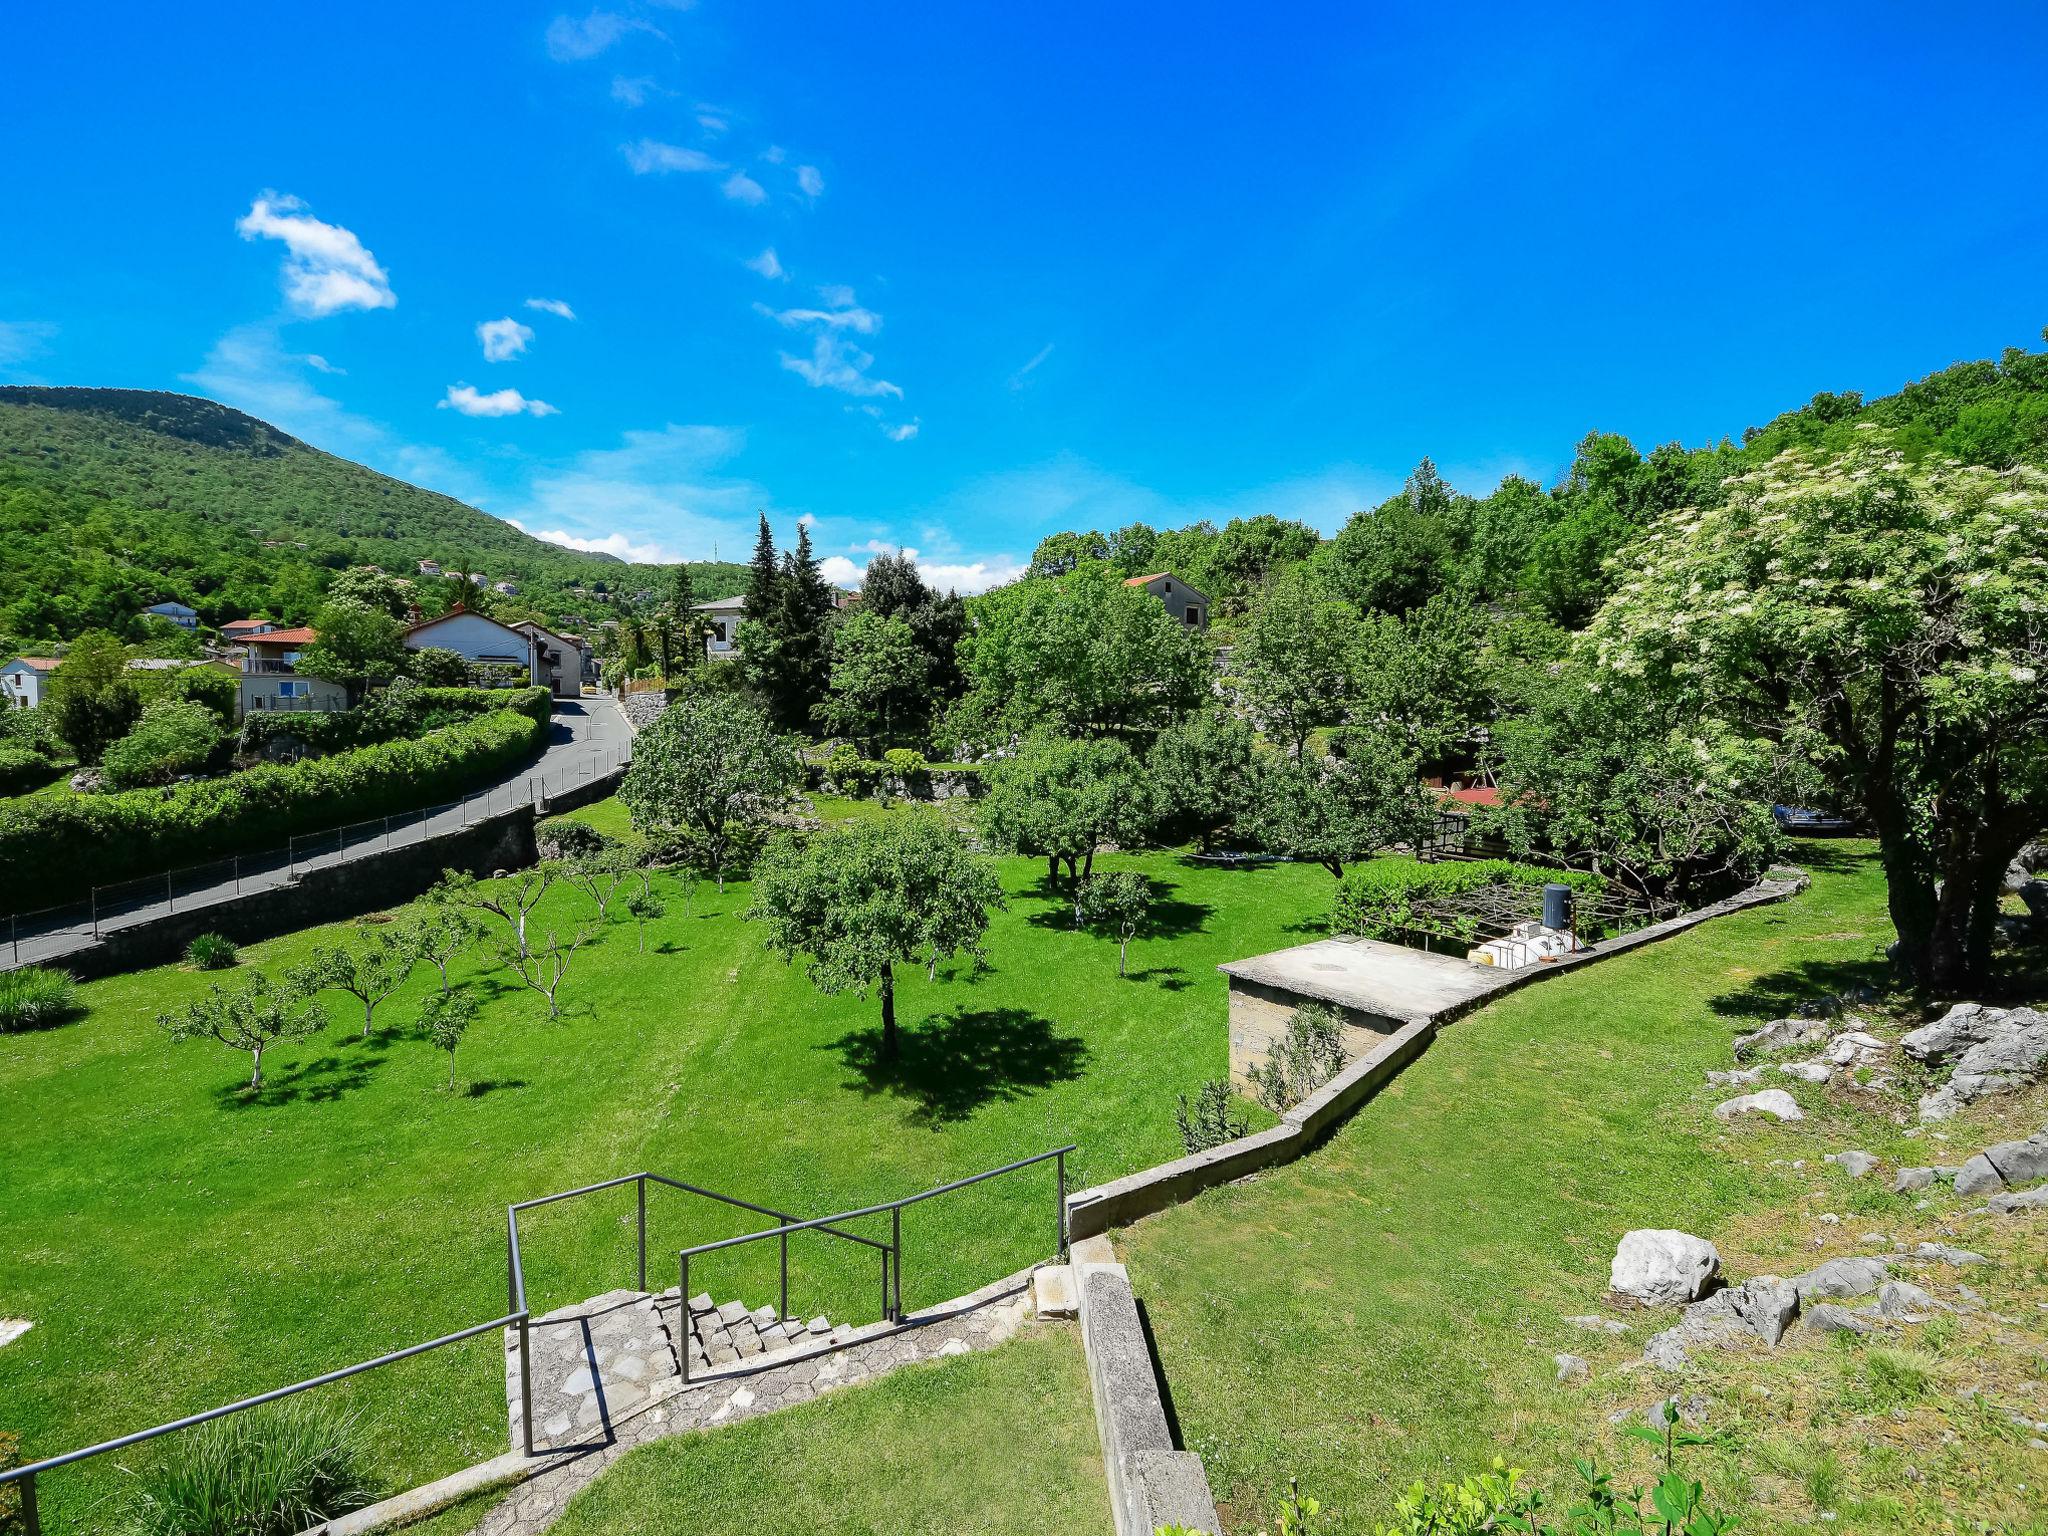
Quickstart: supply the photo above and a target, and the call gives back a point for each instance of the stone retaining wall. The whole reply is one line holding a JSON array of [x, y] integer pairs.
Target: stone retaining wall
[[1090, 1211], [1150, 1482]]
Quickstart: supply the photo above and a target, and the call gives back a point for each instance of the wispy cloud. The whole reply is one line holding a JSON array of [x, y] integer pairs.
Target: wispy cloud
[[836, 362], [633, 90], [503, 339], [320, 364], [809, 180], [774, 154], [499, 402], [769, 265], [21, 340], [661, 495], [711, 122], [326, 267], [1023, 375], [651, 157], [570, 41], [552, 307], [742, 188]]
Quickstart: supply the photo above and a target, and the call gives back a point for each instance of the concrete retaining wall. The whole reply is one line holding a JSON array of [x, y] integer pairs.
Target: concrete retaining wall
[[1090, 1211], [1150, 1482]]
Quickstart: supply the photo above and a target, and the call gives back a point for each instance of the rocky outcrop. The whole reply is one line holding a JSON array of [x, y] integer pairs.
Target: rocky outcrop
[[1993, 1050], [1782, 1035], [1663, 1267], [1775, 1102], [1842, 1279]]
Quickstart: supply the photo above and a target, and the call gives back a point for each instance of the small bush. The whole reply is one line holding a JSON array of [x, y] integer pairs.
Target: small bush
[[1209, 1122], [564, 837], [212, 952], [268, 1472], [1306, 1057], [172, 738], [35, 997], [21, 770]]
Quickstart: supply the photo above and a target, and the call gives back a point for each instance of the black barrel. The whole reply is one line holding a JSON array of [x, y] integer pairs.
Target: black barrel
[[1557, 906]]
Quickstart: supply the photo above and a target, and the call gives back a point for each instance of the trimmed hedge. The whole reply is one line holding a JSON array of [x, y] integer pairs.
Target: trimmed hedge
[[21, 770], [1377, 900], [55, 847], [385, 716]]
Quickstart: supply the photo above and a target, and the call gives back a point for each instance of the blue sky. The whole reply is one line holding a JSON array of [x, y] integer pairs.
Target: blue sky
[[1032, 267]]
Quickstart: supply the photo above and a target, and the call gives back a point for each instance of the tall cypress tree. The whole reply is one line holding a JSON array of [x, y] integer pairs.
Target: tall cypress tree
[[760, 634], [682, 603], [804, 635]]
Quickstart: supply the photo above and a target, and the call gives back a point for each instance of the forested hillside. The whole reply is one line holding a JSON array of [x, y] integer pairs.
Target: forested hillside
[[113, 499]]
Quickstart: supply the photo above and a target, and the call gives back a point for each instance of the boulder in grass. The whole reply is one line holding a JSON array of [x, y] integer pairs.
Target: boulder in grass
[[1841, 1279], [1775, 1102], [1979, 1176], [1766, 1305], [2021, 1162], [1901, 1301], [2024, 1200], [1808, 1071], [1571, 1367], [1781, 1035], [1993, 1050], [1854, 1164], [1663, 1267], [1830, 1318]]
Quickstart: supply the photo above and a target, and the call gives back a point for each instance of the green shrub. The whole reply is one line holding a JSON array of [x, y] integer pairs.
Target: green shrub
[[31, 730], [564, 837], [268, 1472], [172, 737], [53, 847], [402, 710], [1379, 899], [1302, 1060], [21, 770], [905, 762], [35, 997], [212, 952], [1208, 1122]]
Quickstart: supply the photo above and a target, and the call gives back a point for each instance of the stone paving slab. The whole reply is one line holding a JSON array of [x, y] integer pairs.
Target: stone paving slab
[[815, 1364]]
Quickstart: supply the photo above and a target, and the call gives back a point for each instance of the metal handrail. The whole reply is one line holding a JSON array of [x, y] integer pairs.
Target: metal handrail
[[27, 1475], [892, 1255]]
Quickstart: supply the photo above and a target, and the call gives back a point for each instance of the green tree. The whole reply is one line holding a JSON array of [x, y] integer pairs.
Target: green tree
[[511, 898], [93, 695], [1881, 623], [873, 895], [1394, 557], [369, 969], [214, 687], [1295, 663], [1060, 554], [1062, 799], [433, 666], [172, 737], [645, 906], [712, 771], [373, 589], [355, 645], [1116, 903], [878, 675], [1201, 772], [252, 1017], [1339, 810], [444, 1019]]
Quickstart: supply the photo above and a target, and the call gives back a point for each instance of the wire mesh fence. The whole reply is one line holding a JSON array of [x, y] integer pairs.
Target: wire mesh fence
[[49, 933]]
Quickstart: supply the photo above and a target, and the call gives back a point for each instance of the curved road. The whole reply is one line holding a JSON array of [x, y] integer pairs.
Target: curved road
[[586, 737]]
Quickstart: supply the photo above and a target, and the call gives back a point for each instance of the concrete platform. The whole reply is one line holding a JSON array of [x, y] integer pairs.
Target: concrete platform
[[1375, 988]]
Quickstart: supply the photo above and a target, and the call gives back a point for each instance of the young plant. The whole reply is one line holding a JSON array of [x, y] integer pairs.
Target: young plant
[[445, 931], [1116, 904], [1305, 1058], [444, 1019], [644, 907], [369, 970], [543, 968], [35, 997], [252, 1017], [1209, 1122], [267, 1472], [598, 875], [211, 952], [511, 898]]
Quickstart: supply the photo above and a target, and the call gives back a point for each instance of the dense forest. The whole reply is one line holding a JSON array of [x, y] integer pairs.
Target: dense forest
[[114, 499]]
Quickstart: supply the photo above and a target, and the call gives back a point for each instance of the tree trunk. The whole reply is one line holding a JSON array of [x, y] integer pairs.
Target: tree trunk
[[256, 1075], [1052, 869], [369, 1013], [888, 1013], [1088, 866], [1123, 954]]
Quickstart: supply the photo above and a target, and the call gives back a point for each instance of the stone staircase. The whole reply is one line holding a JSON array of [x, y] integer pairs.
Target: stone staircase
[[608, 1358]]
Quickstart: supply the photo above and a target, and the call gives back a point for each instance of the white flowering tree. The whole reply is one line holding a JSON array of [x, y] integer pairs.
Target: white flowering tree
[[1885, 624]]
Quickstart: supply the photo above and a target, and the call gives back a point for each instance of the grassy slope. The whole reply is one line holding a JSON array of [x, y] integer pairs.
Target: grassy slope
[[1387, 1309], [177, 1245], [995, 1444]]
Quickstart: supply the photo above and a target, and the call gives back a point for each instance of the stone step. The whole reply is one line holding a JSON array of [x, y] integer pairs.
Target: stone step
[[726, 1333]]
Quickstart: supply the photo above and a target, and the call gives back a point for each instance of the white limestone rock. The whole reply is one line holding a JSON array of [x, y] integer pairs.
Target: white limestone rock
[[1775, 1102], [1662, 1266]]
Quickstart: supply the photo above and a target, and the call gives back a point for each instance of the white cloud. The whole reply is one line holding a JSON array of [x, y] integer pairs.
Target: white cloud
[[663, 493], [503, 339], [320, 364], [711, 122], [809, 181], [326, 267], [835, 361], [633, 90], [652, 157], [902, 432], [611, 544], [768, 264], [967, 577], [499, 402], [552, 307], [1022, 375], [774, 154], [21, 340], [742, 188], [570, 40]]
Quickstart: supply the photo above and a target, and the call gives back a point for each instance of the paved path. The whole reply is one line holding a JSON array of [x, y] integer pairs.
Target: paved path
[[586, 737], [980, 1321]]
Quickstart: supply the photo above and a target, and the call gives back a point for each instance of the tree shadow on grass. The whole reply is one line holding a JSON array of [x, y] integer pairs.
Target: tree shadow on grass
[[948, 1067], [1778, 993], [318, 1081], [1171, 978], [1827, 856], [1169, 917], [484, 1085]]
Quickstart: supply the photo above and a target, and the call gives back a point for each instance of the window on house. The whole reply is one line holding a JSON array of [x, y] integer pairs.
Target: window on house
[[1167, 589], [1194, 616]]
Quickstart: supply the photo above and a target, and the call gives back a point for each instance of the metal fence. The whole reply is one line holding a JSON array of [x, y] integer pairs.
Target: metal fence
[[49, 933], [518, 1314]]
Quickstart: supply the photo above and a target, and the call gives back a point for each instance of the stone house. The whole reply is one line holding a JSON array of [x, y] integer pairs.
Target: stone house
[[1182, 601]]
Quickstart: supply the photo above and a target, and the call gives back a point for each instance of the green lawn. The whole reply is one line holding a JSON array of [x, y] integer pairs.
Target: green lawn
[[1387, 1309], [1000, 1443], [177, 1244]]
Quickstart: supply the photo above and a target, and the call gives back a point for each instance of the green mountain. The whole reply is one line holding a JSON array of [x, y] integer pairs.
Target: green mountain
[[114, 499]]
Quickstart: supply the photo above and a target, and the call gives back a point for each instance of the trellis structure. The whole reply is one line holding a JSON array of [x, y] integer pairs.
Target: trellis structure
[[1488, 912]]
